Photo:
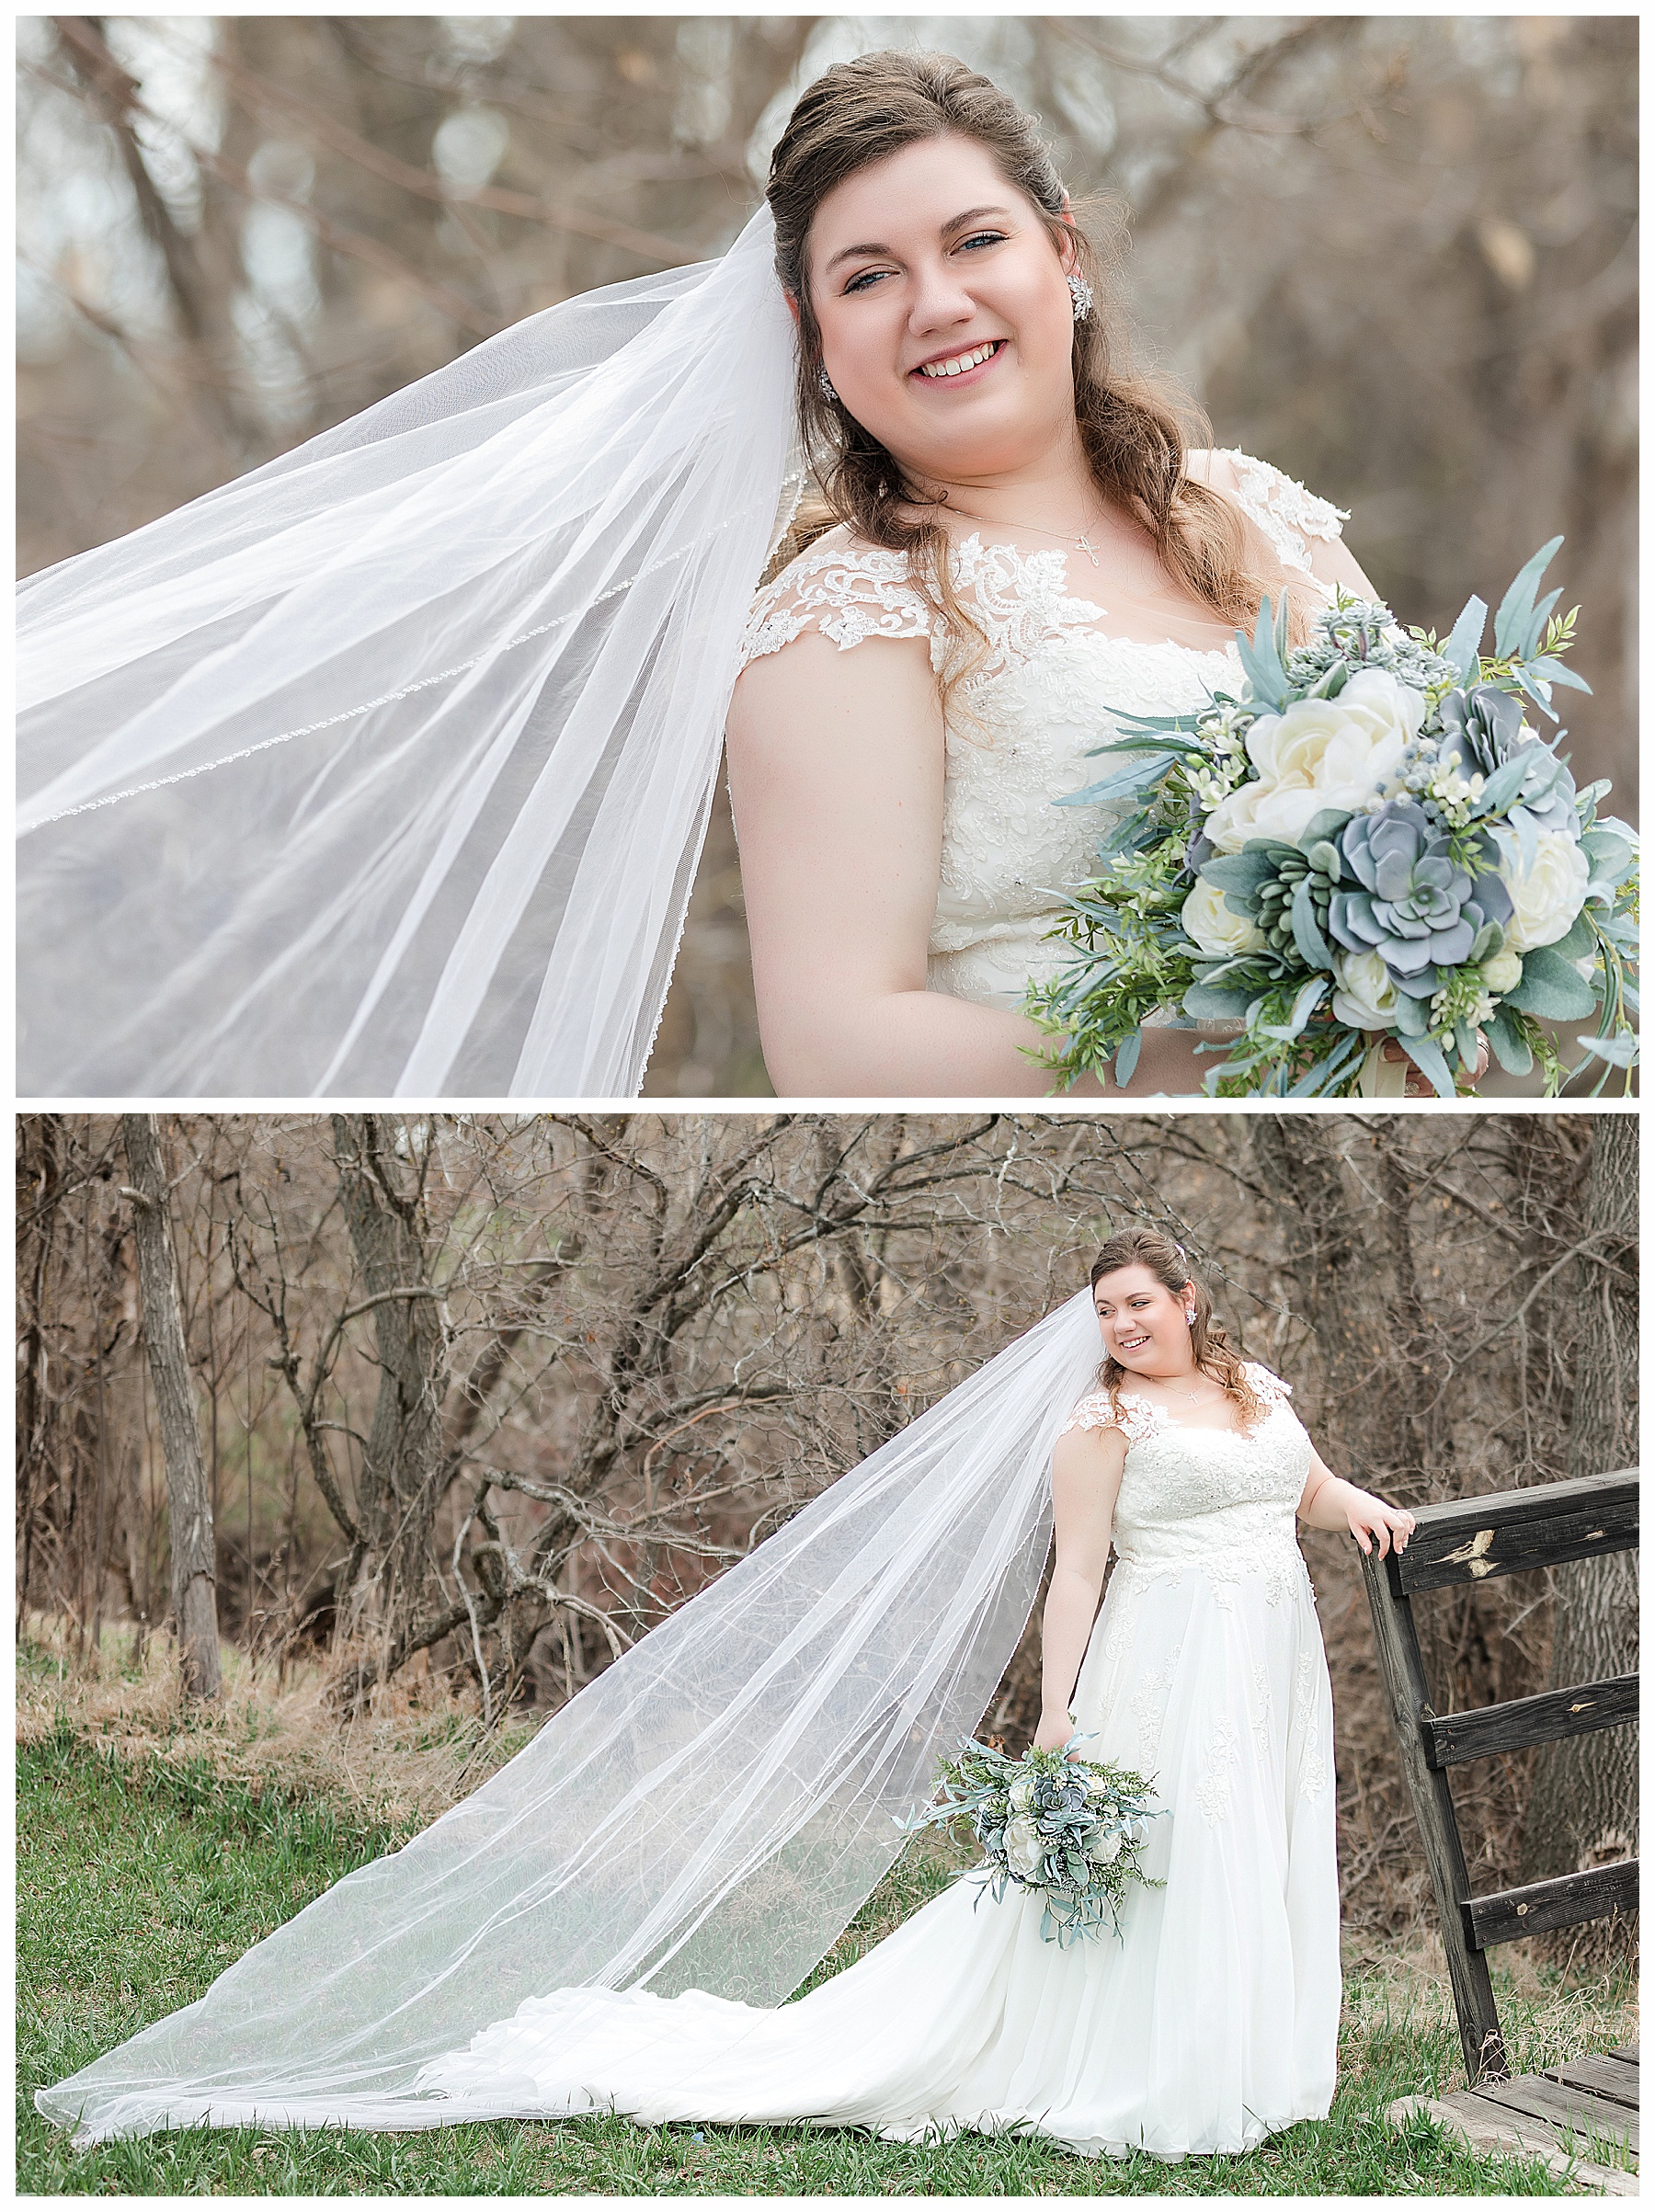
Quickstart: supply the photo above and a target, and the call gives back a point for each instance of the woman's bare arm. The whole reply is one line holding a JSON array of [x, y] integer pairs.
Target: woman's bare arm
[[836, 779], [1329, 1501], [1086, 1480]]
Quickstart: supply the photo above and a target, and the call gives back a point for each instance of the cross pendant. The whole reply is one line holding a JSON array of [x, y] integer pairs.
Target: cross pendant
[[1085, 546]]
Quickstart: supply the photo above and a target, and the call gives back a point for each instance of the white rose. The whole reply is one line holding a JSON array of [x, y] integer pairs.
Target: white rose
[[1320, 753], [1211, 926], [1024, 1849], [1104, 1849], [1021, 1795], [1502, 971], [1547, 896], [1365, 996]]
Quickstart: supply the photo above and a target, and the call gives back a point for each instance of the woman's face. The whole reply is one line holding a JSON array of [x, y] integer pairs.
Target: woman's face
[[945, 314], [1142, 1321]]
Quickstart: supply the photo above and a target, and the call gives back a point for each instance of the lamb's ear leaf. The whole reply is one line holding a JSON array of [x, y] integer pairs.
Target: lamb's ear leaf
[[1241, 872], [1307, 935], [1262, 662], [1511, 1047], [1577, 941], [1465, 640], [1620, 1050], [1206, 1003], [1126, 1058], [1551, 987], [1428, 1058], [1511, 620]]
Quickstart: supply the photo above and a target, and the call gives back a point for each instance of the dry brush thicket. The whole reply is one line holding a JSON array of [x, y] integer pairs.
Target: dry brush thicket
[[484, 1397], [1394, 255]]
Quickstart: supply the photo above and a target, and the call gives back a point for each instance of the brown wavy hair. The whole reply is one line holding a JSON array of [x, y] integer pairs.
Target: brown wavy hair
[[1209, 1340], [862, 111]]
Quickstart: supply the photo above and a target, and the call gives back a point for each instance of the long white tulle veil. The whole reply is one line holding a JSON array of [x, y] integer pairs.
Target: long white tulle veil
[[383, 771], [709, 1813]]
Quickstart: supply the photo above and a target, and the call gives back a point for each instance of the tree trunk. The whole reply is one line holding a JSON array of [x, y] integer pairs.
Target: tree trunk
[[1584, 1807], [189, 1507], [403, 1469]]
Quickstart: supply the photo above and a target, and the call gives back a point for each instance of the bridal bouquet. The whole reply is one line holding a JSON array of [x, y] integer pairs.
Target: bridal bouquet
[[1070, 1828], [1371, 840]]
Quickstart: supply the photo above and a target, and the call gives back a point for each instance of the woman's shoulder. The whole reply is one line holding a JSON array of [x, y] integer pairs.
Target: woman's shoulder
[[1268, 1387], [1132, 1417], [1289, 516], [842, 588]]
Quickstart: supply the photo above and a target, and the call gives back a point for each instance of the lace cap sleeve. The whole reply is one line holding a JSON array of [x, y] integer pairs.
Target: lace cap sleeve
[[1284, 511], [1269, 1389], [849, 593], [1135, 1419], [1094, 1411]]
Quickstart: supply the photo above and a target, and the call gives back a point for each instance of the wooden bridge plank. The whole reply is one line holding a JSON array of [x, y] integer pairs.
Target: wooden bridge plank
[[1452, 1737], [1486, 2128], [1504, 1914], [1604, 2077], [1576, 2108], [1625, 2052]]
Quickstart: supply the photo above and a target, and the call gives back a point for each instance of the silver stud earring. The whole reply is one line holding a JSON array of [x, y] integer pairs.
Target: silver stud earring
[[825, 386], [1080, 292], [1189, 1320]]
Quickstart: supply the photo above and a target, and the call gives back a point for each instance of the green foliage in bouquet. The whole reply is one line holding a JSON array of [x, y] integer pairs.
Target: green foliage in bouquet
[[1071, 1829], [1369, 841]]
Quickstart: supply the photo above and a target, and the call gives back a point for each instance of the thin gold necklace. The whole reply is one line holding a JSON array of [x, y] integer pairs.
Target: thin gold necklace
[[1195, 1395], [1084, 542]]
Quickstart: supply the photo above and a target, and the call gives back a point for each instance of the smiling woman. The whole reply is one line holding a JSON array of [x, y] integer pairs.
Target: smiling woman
[[1025, 534]]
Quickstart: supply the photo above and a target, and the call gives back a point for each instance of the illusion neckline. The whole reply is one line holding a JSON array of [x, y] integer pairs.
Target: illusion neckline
[[1170, 1420], [1227, 651]]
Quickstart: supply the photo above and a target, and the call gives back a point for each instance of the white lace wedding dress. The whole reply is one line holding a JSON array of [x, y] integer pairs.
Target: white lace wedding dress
[[1209, 2025], [1039, 701]]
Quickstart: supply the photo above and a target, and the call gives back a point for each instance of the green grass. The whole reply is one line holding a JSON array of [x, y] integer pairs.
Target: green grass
[[138, 1882]]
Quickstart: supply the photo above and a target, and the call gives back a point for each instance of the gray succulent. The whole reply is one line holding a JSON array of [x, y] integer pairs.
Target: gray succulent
[[1482, 729], [1363, 634], [1416, 907]]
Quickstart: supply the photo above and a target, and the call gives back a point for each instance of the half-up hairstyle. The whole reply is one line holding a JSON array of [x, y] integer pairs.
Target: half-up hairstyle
[[864, 111], [1209, 1340]]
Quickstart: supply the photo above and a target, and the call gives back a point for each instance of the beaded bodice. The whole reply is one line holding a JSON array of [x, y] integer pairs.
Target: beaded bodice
[[1045, 693], [1211, 1498]]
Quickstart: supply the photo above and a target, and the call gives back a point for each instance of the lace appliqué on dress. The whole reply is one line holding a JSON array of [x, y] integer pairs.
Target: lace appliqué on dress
[[1148, 1701], [1269, 1389], [847, 594], [1213, 1791], [1284, 511], [1136, 1418], [1313, 1771]]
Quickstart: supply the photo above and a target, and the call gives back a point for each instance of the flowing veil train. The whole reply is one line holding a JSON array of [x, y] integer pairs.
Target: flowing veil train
[[384, 770], [709, 1813]]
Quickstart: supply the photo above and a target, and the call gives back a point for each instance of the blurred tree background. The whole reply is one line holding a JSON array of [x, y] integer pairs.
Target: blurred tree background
[[1394, 255], [483, 1398]]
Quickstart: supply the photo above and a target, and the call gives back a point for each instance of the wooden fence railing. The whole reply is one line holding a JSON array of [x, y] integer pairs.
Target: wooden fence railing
[[1462, 1542]]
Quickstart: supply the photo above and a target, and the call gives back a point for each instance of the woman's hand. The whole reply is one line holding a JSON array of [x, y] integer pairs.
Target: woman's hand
[[1054, 1732], [1388, 1526]]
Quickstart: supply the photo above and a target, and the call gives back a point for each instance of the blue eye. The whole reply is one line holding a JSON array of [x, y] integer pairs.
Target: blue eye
[[866, 277], [984, 238]]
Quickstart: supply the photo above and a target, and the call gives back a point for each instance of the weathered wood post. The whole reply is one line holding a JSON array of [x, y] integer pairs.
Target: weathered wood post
[[1462, 1541], [1405, 1691]]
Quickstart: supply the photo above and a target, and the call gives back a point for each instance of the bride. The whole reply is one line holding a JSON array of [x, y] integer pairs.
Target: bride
[[384, 770], [726, 1833], [1023, 544]]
